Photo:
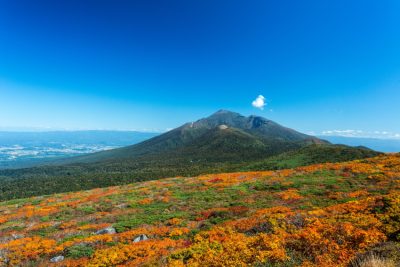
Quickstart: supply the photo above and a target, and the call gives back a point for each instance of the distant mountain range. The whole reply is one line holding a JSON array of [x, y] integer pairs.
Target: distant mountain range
[[383, 145], [223, 142]]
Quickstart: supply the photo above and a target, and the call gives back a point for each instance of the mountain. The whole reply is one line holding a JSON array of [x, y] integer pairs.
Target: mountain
[[224, 132], [223, 142]]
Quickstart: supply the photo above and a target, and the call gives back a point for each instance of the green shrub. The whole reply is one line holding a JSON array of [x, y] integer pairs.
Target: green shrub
[[80, 251]]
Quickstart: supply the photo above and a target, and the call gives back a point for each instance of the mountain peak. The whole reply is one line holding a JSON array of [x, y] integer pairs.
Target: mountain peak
[[224, 111], [255, 125], [228, 113]]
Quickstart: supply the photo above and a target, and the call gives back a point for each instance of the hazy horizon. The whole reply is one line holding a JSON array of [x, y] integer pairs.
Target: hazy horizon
[[345, 133]]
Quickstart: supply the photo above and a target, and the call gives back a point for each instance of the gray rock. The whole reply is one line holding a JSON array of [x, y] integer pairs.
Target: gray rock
[[17, 236], [140, 238], [108, 230], [57, 258]]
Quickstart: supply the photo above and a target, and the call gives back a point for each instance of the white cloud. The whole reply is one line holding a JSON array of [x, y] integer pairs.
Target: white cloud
[[348, 133], [364, 134], [259, 102]]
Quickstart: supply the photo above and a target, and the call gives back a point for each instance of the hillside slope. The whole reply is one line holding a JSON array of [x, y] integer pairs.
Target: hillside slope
[[320, 215], [223, 142], [310, 155], [182, 162]]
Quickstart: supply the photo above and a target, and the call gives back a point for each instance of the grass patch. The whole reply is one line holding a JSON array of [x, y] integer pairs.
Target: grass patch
[[79, 251], [151, 213]]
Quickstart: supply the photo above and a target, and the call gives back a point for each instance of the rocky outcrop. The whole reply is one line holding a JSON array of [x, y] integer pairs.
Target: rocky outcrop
[[108, 230], [140, 238], [57, 258]]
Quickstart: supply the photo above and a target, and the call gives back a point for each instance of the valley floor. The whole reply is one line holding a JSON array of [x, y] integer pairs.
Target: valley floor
[[330, 214]]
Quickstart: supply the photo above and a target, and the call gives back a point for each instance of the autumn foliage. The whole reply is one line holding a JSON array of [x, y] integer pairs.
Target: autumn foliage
[[319, 215]]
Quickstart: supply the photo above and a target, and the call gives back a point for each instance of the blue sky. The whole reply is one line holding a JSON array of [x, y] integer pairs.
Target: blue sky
[[153, 65]]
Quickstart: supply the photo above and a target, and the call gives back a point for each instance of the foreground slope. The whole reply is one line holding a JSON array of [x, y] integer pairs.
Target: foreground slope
[[320, 215]]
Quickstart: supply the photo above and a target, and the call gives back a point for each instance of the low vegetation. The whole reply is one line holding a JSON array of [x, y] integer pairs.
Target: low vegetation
[[333, 214], [21, 183]]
